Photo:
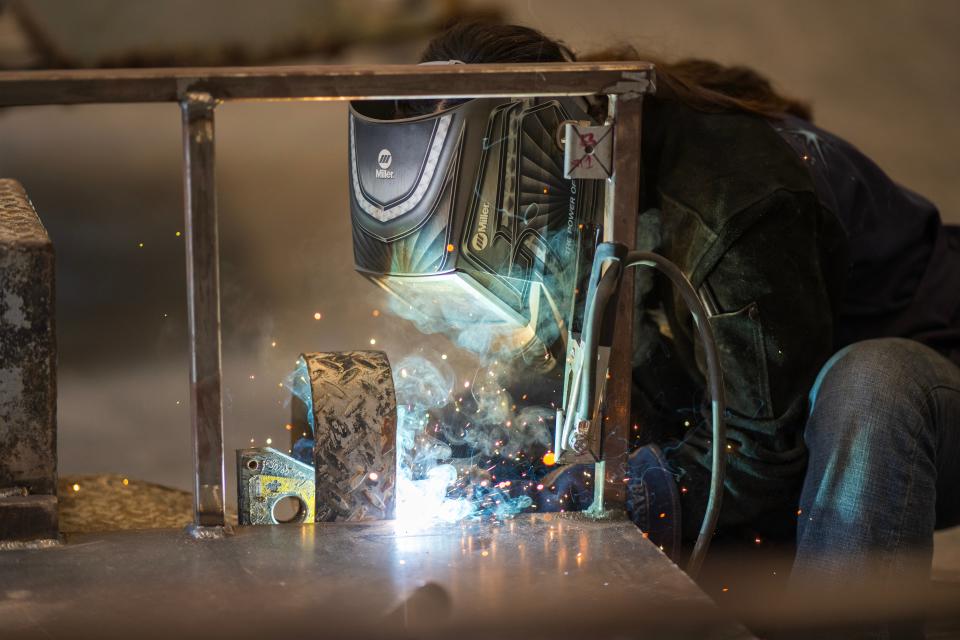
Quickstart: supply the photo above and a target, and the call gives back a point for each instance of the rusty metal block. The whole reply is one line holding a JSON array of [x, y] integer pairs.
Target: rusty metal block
[[28, 437], [28, 518], [354, 413]]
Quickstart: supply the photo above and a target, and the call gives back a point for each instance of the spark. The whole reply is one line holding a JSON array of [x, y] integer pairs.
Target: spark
[[373, 476], [373, 341], [140, 245], [549, 458], [269, 440], [76, 487], [376, 313], [450, 248], [443, 356], [317, 315], [288, 427], [273, 343], [126, 482], [177, 234]]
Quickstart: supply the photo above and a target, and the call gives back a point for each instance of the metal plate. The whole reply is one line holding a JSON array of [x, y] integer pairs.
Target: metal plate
[[543, 576], [355, 417], [266, 476]]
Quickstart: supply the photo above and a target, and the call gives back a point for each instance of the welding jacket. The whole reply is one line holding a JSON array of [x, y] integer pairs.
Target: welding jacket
[[801, 245]]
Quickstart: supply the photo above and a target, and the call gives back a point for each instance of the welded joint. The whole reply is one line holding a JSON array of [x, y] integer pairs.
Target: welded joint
[[633, 85], [199, 106]]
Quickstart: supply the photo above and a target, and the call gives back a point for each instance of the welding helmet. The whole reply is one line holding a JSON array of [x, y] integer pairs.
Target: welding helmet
[[465, 214]]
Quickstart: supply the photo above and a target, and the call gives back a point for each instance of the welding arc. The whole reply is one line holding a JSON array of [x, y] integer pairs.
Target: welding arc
[[718, 405]]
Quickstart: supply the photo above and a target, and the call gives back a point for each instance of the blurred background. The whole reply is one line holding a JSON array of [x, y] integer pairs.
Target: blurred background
[[106, 179]]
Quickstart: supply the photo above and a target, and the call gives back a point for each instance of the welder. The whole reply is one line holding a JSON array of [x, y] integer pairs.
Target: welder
[[835, 297]]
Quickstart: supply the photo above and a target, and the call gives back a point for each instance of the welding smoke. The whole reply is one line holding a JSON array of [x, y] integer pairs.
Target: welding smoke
[[424, 471], [469, 442], [433, 484]]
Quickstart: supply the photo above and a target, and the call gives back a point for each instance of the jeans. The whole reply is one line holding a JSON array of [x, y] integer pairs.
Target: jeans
[[884, 464]]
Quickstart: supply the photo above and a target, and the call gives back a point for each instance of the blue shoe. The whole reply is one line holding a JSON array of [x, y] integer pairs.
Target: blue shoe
[[566, 488], [653, 500]]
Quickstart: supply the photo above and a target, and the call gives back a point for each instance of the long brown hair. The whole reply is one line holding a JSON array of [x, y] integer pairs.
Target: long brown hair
[[701, 84]]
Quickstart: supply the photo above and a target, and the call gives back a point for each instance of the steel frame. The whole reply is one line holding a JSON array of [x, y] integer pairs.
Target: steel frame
[[199, 90]]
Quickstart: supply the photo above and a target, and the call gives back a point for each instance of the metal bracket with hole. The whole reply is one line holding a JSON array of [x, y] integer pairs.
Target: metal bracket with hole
[[266, 479], [587, 151]]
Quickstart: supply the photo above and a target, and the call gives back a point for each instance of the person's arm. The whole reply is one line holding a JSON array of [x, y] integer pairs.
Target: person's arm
[[774, 329]]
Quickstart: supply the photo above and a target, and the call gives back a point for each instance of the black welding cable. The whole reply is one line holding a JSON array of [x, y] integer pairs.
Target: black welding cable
[[607, 286], [718, 405]]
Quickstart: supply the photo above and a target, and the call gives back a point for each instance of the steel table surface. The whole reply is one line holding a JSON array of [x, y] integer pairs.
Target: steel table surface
[[533, 576]]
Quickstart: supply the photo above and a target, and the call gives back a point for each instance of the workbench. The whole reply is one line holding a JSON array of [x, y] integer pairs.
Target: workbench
[[534, 576]]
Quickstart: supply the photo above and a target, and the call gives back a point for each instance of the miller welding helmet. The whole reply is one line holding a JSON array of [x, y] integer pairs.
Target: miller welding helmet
[[465, 215]]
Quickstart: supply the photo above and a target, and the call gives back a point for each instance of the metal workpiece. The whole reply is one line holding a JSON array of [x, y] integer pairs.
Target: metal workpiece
[[28, 391], [535, 576], [265, 478], [198, 90], [340, 82], [620, 225], [203, 307], [354, 413]]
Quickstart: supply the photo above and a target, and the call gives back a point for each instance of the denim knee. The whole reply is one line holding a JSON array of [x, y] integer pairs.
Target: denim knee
[[880, 372], [870, 487], [872, 395]]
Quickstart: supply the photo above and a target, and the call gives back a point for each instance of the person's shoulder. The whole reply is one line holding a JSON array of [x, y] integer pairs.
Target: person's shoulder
[[718, 164]]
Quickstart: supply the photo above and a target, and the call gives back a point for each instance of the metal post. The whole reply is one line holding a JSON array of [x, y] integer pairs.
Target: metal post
[[625, 111], [203, 308]]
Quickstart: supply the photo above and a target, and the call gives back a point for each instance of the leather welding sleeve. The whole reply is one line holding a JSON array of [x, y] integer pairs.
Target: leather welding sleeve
[[772, 273]]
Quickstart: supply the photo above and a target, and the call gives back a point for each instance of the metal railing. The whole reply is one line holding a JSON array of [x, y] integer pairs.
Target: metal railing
[[200, 90]]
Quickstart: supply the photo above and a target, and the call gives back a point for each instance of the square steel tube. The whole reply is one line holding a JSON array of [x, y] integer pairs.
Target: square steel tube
[[198, 90]]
